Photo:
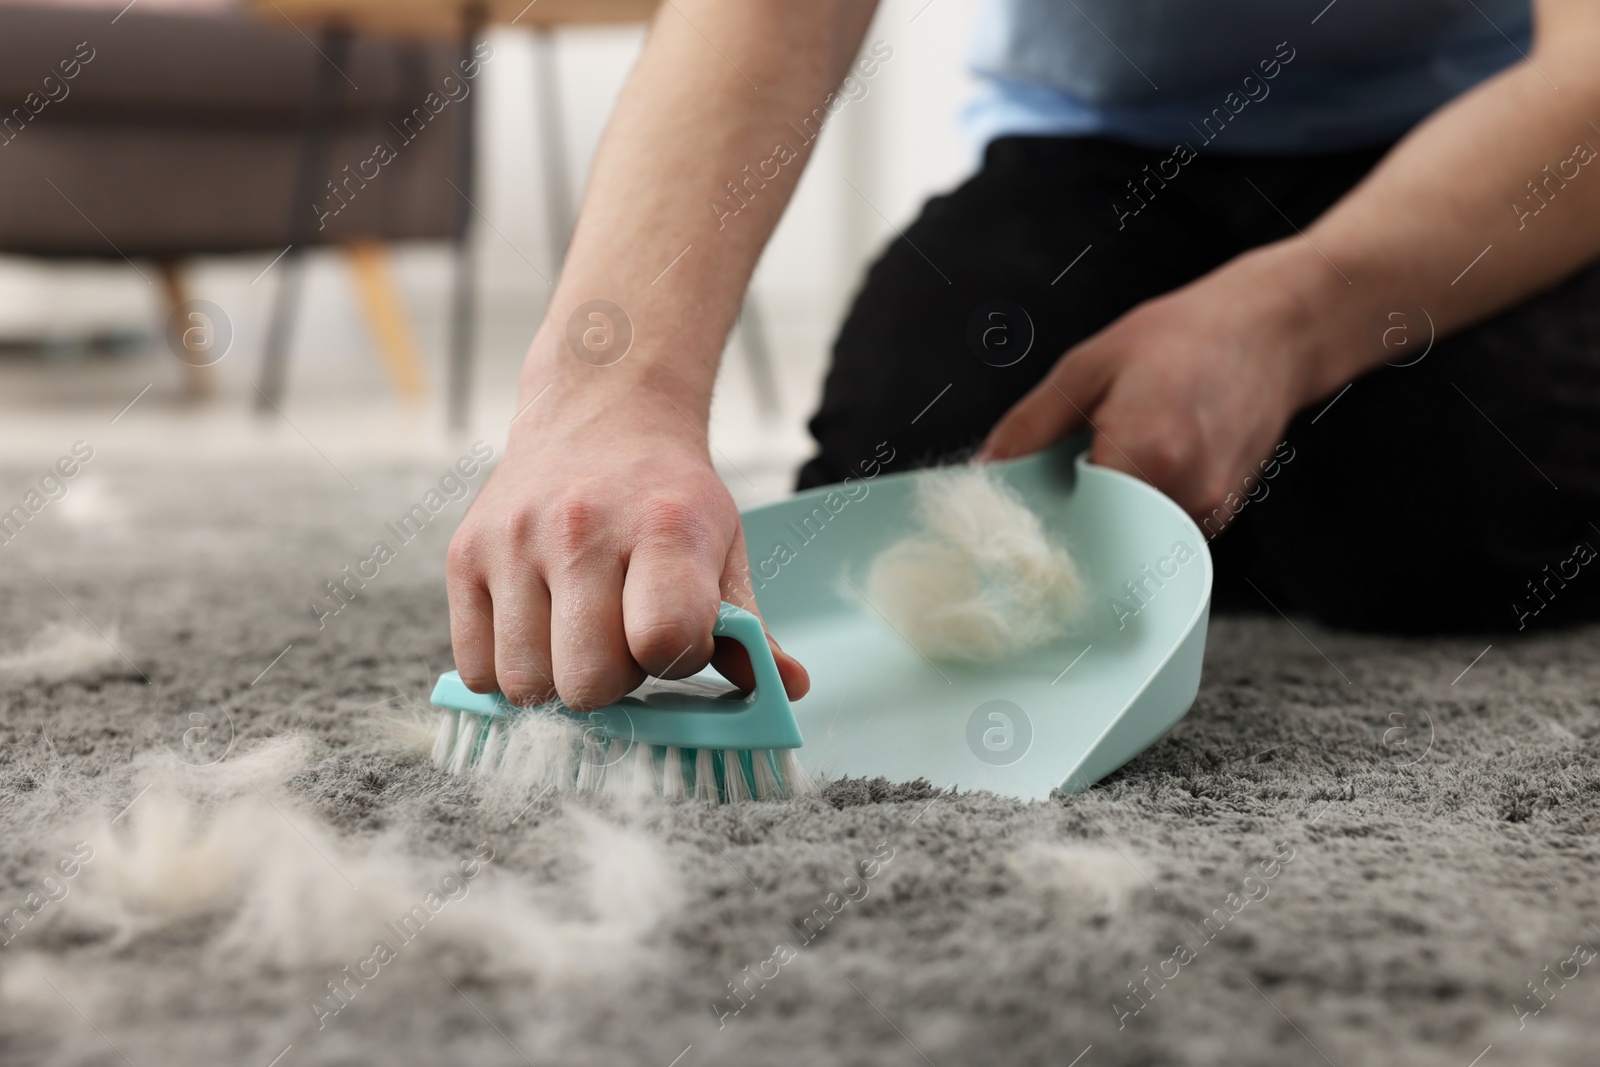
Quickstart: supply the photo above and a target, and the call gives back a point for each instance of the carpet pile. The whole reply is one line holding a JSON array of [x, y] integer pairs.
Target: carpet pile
[[220, 842]]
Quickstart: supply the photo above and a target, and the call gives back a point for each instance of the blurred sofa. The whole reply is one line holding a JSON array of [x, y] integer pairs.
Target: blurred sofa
[[167, 133]]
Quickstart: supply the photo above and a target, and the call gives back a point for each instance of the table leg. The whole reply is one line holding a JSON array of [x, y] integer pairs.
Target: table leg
[[552, 144]]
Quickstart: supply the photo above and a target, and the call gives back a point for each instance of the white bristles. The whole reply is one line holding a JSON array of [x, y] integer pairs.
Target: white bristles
[[633, 773], [672, 774], [592, 763], [520, 760], [549, 746], [542, 750], [646, 782], [445, 742], [560, 751], [767, 785], [733, 782], [466, 743], [493, 748], [796, 782], [705, 776], [619, 767]]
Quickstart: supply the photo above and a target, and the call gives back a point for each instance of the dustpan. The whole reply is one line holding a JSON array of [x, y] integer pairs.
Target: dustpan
[[1059, 717]]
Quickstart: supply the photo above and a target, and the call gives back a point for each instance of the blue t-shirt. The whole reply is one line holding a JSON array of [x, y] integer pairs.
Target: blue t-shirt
[[1243, 76]]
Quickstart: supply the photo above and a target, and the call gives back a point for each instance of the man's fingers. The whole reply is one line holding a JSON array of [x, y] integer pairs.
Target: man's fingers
[[588, 647], [733, 663], [1052, 409], [1108, 452], [730, 658], [522, 640], [669, 605], [472, 632]]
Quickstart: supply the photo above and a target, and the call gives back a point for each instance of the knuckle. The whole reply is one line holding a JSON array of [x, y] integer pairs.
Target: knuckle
[[668, 641], [740, 588], [516, 527], [463, 557], [1208, 504], [1216, 492], [671, 519], [477, 672], [1167, 456], [1164, 457], [525, 686], [473, 651], [1019, 426], [573, 524], [590, 686]]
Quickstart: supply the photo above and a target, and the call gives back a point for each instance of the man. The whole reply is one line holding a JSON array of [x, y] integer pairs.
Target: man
[[1229, 217]]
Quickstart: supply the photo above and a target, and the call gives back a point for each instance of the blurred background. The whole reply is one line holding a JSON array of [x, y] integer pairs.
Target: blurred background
[[366, 349]]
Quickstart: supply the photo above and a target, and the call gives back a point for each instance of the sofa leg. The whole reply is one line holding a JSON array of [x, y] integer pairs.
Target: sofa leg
[[386, 318], [199, 379]]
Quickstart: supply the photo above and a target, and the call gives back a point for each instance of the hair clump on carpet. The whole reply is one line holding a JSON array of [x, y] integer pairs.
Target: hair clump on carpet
[[61, 651]]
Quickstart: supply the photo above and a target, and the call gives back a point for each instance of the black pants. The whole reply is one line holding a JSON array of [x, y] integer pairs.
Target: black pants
[[1459, 493]]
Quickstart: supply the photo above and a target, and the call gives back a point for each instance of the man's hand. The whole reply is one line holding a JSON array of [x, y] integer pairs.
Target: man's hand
[[600, 548], [597, 554], [1191, 389], [1187, 391]]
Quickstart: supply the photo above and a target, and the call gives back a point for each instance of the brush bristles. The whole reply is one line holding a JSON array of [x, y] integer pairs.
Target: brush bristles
[[767, 786], [592, 763], [494, 746], [705, 776], [734, 785], [466, 747], [445, 743], [634, 773], [793, 776], [550, 750], [672, 773]]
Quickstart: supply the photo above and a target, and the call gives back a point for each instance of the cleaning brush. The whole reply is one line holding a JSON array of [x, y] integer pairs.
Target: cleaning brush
[[678, 744]]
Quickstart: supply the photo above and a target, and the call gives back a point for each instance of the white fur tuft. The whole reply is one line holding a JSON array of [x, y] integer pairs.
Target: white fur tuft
[[980, 581], [1074, 876], [241, 873], [62, 651]]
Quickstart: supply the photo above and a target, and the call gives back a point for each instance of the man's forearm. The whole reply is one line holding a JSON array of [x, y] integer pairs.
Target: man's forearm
[[720, 114], [1510, 168]]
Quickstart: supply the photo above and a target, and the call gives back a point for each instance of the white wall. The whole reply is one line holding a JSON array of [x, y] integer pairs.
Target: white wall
[[898, 145]]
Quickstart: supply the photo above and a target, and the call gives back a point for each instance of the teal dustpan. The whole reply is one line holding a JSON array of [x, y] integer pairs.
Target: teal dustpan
[[1062, 716]]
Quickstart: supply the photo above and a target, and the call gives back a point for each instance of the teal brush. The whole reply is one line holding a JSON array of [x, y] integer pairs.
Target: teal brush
[[676, 744]]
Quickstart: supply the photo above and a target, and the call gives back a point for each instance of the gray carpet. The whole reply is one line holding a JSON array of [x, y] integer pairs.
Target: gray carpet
[[1349, 852]]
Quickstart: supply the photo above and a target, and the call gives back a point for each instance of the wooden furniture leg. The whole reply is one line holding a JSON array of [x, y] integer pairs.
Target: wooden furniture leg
[[386, 318], [198, 382]]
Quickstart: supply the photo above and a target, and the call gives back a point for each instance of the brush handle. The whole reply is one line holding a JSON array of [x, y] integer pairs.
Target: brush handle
[[745, 628], [760, 719]]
